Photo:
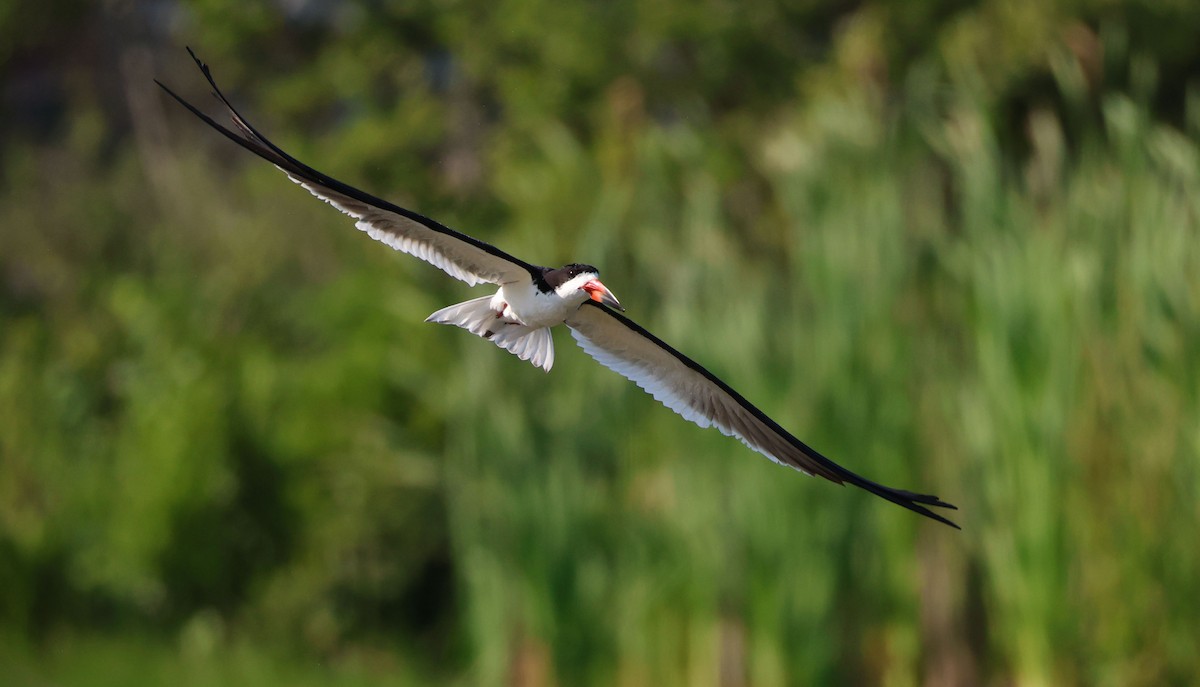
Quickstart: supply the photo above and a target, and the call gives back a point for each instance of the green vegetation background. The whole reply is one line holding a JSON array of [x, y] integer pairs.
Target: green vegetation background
[[953, 245]]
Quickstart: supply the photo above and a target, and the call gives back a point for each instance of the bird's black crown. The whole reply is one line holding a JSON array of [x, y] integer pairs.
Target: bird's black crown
[[564, 274], [575, 269]]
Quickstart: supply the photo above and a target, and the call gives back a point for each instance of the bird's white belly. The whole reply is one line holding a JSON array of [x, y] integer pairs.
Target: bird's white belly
[[532, 308]]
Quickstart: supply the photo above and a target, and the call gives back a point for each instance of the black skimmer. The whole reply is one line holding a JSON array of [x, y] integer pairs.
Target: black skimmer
[[532, 299]]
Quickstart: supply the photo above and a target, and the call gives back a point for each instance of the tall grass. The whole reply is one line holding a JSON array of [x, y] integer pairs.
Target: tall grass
[[219, 412]]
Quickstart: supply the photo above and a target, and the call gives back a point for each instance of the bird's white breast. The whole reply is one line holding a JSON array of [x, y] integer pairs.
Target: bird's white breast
[[524, 303]]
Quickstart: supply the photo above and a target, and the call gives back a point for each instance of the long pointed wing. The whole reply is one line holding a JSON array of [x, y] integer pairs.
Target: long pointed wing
[[457, 254], [685, 387]]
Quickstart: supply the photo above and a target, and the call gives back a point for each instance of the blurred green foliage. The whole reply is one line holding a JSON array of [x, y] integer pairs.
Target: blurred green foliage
[[952, 245]]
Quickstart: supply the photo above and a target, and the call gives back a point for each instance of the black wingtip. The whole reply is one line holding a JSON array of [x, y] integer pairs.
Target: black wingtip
[[930, 514], [915, 502], [906, 499], [197, 60], [204, 70]]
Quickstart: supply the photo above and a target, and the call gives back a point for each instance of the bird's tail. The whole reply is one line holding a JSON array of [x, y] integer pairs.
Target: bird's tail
[[477, 316]]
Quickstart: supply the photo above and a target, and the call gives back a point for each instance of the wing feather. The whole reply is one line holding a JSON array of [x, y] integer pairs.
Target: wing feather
[[681, 384], [455, 253]]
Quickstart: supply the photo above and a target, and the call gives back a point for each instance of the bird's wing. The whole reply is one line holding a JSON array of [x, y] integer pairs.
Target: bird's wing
[[457, 254], [685, 387]]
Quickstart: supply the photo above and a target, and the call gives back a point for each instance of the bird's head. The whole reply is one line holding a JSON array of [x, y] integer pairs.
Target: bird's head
[[576, 279]]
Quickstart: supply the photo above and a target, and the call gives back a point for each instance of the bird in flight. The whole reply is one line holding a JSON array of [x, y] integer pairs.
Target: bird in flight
[[531, 299]]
